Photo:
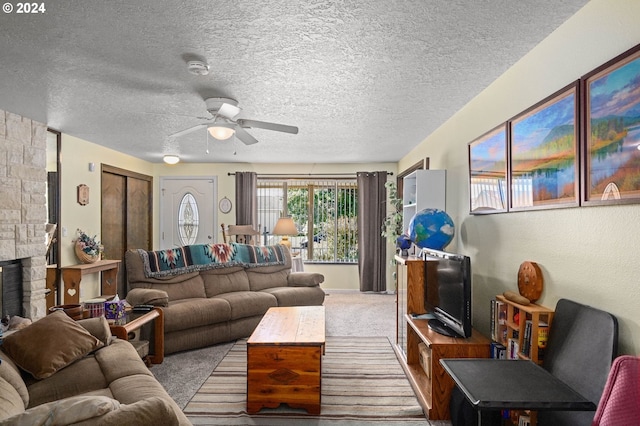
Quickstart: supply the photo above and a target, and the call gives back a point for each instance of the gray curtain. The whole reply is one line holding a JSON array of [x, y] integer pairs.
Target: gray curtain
[[372, 247], [246, 198]]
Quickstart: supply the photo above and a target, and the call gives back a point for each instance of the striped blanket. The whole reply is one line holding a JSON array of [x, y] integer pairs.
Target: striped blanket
[[198, 257]]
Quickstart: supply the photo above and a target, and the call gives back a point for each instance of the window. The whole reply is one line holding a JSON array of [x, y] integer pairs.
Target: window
[[188, 219], [325, 213]]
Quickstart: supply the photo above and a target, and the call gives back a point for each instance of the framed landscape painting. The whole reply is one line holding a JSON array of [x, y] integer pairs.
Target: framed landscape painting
[[611, 153], [543, 166], [488, 172]]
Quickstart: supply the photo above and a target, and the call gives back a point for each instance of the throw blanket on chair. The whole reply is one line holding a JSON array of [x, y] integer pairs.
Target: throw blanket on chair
[[198, 257]]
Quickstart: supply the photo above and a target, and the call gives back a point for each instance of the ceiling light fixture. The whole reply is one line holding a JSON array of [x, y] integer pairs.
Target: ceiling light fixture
[[171, 159], [222, 131]]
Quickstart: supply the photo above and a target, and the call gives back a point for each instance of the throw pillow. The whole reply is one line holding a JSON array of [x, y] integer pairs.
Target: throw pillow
[[65, 411], [49, 344]]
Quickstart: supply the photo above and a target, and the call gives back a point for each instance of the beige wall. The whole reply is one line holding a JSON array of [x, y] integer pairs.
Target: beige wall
[[588, 254], [77, 154]]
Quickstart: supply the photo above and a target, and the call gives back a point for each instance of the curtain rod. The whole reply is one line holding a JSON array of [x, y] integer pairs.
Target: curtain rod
[[302, 175]]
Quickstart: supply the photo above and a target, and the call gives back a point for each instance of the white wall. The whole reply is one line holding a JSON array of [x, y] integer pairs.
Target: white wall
[[587, 254]]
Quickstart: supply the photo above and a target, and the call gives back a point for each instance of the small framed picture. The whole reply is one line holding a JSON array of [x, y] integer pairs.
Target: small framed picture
[[543, 152], [488, 172]]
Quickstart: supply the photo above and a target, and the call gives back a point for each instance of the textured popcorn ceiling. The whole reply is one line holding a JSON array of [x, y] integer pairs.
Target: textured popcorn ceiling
[[365, 81]]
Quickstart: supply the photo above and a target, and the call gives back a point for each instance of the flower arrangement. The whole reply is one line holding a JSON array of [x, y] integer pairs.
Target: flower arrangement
[[89, 245]]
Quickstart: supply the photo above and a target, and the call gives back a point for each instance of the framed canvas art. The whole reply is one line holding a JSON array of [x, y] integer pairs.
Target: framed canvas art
[[543, 153], [611, 152], [488, 172]]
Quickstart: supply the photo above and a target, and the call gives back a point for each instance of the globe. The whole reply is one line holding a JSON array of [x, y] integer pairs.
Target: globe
[[431, 228]]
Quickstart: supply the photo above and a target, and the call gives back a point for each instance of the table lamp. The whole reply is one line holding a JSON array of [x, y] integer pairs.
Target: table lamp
[[285, 227]]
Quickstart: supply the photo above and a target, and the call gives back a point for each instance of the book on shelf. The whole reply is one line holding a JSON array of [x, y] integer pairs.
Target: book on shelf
[[526, 340], [513, 347], [543, 335], [498, 321], [498, 350]]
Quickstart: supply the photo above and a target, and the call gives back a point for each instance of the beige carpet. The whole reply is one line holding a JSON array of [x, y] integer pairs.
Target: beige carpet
[[362, 383]]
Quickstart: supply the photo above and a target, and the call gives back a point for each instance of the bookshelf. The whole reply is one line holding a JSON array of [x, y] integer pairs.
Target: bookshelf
[[433, 386], [422, 189], [518, 327], [522, 330]]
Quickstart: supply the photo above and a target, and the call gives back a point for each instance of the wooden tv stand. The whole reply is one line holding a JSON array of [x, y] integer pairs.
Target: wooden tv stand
[[432, 392]]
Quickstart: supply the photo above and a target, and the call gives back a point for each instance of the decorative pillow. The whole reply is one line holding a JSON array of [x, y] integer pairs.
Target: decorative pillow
[[49, 344], [65, 411]]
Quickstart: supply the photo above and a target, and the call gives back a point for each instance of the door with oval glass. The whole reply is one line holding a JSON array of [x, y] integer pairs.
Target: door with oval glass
[[187, 211]]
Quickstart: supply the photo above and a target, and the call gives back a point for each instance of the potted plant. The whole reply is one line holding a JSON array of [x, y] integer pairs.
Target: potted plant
[[392, 225]]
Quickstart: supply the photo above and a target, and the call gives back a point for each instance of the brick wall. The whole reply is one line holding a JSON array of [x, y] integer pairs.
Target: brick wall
[[23, 214]]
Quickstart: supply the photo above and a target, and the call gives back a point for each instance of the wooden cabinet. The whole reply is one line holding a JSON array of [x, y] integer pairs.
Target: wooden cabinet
[[525, 329], [434, 390], [422, 189]]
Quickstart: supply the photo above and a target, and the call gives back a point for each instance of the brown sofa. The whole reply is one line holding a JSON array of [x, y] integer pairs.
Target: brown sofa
[[218, 303], [59, 371]]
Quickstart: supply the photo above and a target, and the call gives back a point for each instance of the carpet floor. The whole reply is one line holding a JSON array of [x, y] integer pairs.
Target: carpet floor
[[362, 383]]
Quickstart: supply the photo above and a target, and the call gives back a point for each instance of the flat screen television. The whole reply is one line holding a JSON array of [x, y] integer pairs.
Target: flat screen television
[[448, 292]]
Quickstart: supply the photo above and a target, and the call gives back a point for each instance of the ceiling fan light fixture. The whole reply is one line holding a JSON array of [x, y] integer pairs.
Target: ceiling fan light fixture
[[221, 131], [171, 159]]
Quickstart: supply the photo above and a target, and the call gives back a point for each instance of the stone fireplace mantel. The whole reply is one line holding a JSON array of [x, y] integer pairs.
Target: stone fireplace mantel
[[23, 214]]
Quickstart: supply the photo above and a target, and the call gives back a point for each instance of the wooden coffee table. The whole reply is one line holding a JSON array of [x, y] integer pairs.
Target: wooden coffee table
[[284, 359]]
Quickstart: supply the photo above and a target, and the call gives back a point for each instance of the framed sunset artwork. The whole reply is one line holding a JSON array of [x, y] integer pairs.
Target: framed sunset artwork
[[488, 172], [543, 165], [611, 153]]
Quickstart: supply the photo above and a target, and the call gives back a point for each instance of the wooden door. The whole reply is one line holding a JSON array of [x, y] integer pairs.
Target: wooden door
[[127, 200]]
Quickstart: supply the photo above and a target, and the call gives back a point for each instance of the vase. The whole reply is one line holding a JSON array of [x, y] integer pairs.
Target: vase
[[85, 257]]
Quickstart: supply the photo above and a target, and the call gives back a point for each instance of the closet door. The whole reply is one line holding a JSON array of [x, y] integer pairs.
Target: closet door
[[127, 200]]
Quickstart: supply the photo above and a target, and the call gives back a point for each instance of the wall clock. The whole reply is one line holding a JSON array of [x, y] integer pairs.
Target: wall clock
[[225, 205]]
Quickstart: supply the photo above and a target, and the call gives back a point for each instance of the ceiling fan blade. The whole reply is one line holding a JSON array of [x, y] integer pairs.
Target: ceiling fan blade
[[269, 126], [245, 137], [189, 130]]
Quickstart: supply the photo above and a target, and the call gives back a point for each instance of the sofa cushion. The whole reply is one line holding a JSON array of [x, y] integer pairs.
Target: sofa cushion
[[65, 411], [187, 289], [9, 371], [49, 344], [83, 377], [248, 303], [225, 280], [259, 279], [189, 313]]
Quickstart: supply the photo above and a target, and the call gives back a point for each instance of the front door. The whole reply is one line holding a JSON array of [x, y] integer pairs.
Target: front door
[[187, 212]]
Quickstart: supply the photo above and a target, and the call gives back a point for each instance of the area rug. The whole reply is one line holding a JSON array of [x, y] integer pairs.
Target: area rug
[[362, 383]]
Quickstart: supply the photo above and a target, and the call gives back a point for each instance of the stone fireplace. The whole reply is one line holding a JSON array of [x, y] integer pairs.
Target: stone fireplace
[[23, 214]]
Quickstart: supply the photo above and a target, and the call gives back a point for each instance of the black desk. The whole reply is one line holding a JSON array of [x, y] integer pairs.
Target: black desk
[[494, 384]]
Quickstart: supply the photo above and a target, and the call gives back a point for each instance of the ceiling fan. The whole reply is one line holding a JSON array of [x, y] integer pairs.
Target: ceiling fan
[[223, 124]]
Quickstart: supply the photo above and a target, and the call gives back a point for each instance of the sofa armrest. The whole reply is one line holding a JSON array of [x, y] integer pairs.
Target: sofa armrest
[[148, 296], [149, 411], [304, 279], [98, 327], [74, 410]]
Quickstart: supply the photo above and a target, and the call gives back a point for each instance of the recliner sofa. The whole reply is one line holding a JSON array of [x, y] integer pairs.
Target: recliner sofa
[[219, 302]]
